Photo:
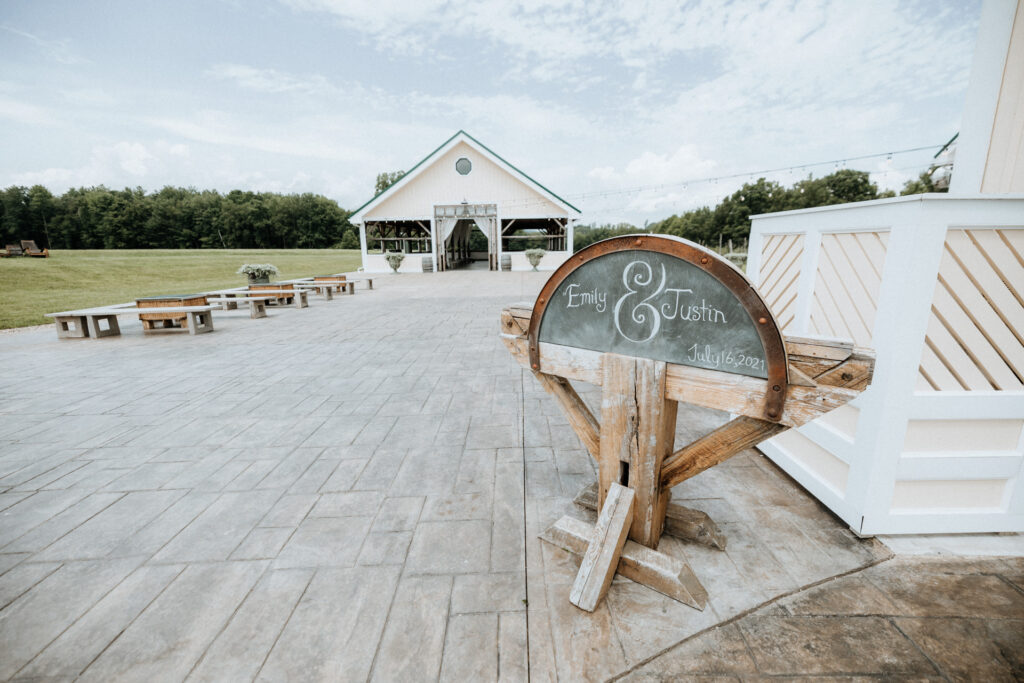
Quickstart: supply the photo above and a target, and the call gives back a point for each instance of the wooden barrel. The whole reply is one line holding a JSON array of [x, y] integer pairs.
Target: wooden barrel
[[428, 264], [506, 261]]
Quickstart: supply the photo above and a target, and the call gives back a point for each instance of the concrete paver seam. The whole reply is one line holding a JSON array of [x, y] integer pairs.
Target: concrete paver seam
[[748, 612], [526, 548], [284, 626], [938, 669], [127, 626]]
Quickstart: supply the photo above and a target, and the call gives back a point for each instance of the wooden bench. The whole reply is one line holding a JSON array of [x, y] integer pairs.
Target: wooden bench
[[30, 249], [257, 304], [102, 322], [12, 250]]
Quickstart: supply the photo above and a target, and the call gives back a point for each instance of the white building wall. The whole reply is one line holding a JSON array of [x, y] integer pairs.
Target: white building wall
[[1004, 169], [551, 260], [935, 284], [990, 149], [375, 263]]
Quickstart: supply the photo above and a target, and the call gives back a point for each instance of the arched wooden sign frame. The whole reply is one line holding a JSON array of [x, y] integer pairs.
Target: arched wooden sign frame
[[633, 442], [720, 269]]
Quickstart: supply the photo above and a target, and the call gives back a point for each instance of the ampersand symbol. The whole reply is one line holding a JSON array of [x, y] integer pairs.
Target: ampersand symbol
[[641, 275]]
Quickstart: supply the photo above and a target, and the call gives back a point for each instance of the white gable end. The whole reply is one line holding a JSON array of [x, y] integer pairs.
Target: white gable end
[[440, 183]]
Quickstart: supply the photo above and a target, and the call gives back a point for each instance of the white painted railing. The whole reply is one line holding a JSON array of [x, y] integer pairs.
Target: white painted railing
[[935, 284]]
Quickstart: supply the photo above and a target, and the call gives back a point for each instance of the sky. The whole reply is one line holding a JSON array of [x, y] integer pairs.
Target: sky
[[625, 109]]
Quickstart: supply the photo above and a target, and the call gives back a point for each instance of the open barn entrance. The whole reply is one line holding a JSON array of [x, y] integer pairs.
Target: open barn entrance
[[456, 243]]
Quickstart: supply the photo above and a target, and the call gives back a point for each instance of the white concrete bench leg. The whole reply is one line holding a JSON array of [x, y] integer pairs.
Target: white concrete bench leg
[[328, 292], [351, 287], [257, 309], [95, 324], [231, 304], [71, 327], [301, 299], [200, 323]]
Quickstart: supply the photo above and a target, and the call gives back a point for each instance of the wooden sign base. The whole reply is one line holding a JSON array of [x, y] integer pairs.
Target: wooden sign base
[[666, 574], [633, 444]]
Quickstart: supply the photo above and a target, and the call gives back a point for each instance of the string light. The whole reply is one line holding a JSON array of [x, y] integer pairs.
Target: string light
[[711, 180], [714, 179]]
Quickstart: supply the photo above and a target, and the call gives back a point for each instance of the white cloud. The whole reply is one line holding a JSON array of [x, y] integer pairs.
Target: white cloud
[[26, 112], [587, 96], [787, 41], [58, 50], [295, 137], [661, 170], [132, 157], [270, 80], [89, 97], [127, 161]]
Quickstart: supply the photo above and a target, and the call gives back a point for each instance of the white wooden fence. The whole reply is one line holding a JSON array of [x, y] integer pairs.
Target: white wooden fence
[[935, 284]]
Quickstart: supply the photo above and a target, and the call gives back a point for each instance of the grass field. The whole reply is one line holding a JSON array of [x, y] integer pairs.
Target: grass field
[[32, 287]]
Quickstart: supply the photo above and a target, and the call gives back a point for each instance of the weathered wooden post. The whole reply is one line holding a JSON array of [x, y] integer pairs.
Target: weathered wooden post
[[656, 320]]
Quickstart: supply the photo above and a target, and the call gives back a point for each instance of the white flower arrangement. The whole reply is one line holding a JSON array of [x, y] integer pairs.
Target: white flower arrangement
[[534, 256], [394, 260], [256, 270]]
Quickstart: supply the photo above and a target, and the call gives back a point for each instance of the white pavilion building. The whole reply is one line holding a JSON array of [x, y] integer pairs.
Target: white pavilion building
[[462, 186]]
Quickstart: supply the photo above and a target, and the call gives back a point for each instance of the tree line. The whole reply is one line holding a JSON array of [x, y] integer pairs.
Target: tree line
[[730, 218], [172, 218], [187, 218]]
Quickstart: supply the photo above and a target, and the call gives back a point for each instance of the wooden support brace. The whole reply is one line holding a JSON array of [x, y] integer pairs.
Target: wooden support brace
[[602, 555], [576, 411], [680, 522], [740, 434], [666, 574]]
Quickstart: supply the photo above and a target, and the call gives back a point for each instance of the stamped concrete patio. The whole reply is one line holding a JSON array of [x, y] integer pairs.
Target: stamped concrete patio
[[354, 491]]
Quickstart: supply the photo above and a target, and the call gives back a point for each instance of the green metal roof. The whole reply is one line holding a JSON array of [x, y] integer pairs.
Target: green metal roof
[[489, 150]]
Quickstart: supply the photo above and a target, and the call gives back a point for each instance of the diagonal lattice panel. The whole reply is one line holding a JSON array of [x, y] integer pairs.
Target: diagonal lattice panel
[[780, 272], [847, 286], [975, 338]]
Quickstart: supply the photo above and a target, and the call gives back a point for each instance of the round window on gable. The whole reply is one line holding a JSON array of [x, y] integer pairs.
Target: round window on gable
[[463, 166]]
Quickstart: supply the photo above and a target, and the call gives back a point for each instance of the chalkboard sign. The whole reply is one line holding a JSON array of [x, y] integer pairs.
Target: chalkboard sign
[[661, 298]]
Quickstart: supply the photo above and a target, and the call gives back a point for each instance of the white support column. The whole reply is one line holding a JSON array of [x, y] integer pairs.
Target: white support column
[[433, 242], [498, 229], [362, 243], [911, 269]]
